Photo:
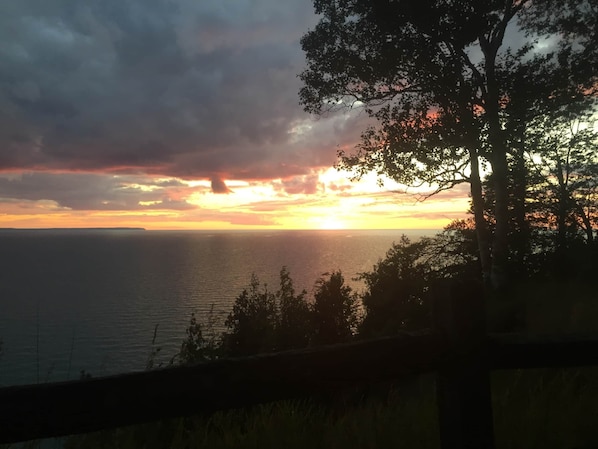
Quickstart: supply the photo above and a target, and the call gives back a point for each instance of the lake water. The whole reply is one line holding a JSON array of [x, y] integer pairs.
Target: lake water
[[91, 299]]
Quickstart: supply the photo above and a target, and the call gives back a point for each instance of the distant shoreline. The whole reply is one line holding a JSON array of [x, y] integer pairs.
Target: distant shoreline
[[411, 233]]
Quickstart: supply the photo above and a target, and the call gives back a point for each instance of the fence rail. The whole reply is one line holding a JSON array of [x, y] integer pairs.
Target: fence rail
[[462, 360]]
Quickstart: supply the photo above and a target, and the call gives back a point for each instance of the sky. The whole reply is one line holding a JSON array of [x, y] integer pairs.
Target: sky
[[178, 114]]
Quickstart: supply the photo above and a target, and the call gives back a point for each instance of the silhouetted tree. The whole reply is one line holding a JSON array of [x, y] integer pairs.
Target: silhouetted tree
[[334, 310], [201, 343], [566, 196], [266, 321], [452, 253], [435, 76], [253, 321], [396, 291], [294, 326]]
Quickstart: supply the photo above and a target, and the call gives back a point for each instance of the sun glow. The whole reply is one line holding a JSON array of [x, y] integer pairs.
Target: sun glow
[[331, 223], [321, 199]]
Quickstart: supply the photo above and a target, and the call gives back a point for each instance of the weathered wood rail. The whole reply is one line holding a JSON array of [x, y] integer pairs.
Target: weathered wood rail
[[458, 349]]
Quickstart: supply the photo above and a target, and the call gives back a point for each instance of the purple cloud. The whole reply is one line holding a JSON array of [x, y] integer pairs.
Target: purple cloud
[[179, 88]]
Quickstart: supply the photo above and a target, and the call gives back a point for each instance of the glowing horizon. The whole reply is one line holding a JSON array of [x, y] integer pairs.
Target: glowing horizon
[[325, 199]]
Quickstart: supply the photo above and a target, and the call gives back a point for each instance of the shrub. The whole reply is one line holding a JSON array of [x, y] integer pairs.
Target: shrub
[[200, 344]]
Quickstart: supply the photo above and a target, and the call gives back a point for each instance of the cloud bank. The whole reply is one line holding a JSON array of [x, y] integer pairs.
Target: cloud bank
[[180, 88]]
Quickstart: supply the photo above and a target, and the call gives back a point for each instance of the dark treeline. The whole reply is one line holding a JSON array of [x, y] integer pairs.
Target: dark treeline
[[397, 294]]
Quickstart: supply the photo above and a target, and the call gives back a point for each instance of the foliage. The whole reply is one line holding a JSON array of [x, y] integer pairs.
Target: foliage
[[553, 190], [200, 344], [253, 321], [294, 330], [334, 311], [566, 194], [266, 321], [453, 253], [396, 296], [386, 57], [398, 289]]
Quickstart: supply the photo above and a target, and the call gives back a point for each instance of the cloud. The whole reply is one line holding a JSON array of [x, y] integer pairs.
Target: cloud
[[218, 186], [308, 185], [274, 206], [176, 88], [243, 218], [335, 187], [77, 191]]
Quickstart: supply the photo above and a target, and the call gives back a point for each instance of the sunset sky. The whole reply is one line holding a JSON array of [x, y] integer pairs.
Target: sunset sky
[[178, 114]]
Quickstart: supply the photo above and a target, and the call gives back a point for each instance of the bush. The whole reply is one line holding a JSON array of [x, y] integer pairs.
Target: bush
[[200, 345]]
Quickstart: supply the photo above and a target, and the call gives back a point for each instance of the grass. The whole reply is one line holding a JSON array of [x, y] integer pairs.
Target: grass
[[548, 408], [396, 419]]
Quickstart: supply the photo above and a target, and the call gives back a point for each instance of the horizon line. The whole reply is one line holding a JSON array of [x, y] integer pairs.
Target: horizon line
[[138, 228]]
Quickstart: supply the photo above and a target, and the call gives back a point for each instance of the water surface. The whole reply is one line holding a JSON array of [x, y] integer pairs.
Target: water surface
[[90, 300]]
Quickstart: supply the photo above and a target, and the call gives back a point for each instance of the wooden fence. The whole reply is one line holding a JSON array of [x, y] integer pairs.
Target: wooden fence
[[458, 349]]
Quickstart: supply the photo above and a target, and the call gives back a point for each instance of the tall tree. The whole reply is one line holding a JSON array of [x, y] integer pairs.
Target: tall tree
[[566, 164], [434, 75], [334, 310]]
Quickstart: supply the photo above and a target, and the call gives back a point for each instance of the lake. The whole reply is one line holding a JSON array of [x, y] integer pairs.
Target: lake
[[90, 300]]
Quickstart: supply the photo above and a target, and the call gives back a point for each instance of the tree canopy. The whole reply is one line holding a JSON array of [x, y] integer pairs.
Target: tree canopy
[[450, 86]]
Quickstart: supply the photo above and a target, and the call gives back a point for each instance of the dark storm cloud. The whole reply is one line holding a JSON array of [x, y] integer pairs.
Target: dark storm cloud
[[94, 191], [185, 88]]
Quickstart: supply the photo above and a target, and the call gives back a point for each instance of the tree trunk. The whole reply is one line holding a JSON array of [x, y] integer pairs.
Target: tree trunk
[[522, 240], [500, 248], [562, 209], [481, 226], [587, 224], [498, 160]]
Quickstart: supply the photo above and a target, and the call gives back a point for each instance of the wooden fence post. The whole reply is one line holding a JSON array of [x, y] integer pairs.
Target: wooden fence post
[[463, 383]]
